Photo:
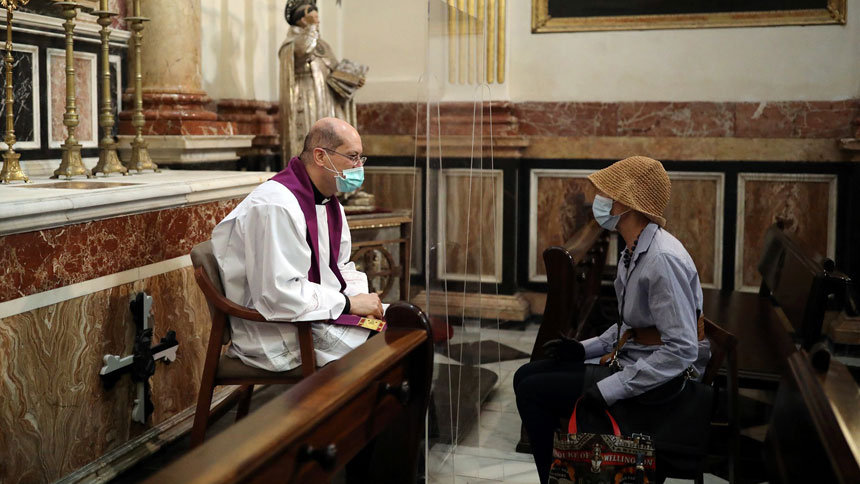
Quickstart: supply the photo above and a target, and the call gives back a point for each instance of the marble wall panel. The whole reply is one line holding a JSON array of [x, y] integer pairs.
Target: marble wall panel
[[797, 119], [566, 118], [398, 188], [178, 305], [388, 118], [25, 82], [692, 119], [805, 204], [38, 261], [86, 98], [56, 416], [695, 217], [785, 119], [121, 8], [471, 222], [560, 204]]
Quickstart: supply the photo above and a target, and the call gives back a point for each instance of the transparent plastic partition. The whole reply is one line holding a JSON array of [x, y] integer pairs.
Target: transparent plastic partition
[[462, 207]]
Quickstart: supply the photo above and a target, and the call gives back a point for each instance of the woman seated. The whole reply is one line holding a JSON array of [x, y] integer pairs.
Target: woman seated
[[659, 343]]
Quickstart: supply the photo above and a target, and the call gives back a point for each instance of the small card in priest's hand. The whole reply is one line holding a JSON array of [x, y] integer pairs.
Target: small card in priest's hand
[[372, 324]]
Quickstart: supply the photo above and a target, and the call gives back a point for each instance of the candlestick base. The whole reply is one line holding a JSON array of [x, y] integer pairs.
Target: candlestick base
[[71, 164], [140, 159], [12, 168], [109, 161]]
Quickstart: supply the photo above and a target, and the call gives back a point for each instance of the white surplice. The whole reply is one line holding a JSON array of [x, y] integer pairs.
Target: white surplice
[[264, 256]]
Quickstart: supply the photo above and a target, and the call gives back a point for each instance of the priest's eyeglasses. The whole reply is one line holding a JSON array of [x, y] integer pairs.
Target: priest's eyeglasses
[[356, 160]]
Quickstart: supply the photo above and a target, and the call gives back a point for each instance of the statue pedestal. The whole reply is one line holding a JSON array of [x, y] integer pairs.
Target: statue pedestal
[[257, 118], [508, 307]]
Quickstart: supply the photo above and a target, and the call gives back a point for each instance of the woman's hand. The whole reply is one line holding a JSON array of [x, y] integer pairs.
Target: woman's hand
[[564, 349]]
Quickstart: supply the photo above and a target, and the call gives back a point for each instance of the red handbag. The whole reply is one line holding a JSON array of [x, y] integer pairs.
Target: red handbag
[[587, 458]]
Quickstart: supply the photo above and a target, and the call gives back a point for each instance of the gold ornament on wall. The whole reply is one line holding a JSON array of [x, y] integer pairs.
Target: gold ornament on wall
[[13, 4], [11, 166], [470, 60]]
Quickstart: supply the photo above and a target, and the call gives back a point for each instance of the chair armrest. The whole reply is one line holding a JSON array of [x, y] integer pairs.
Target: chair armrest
[[227, 306], [222, 303]]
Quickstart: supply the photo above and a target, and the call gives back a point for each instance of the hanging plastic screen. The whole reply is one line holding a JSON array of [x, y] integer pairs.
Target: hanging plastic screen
[[462, 250]]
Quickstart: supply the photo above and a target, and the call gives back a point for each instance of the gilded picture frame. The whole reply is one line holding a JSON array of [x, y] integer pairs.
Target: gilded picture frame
[[544, 22]]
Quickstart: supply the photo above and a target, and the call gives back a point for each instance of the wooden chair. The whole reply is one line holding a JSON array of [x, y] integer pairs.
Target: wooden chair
[[219, 369], [723, 351]]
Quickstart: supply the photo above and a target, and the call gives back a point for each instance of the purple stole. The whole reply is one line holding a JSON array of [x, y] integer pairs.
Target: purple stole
[[296, 179]]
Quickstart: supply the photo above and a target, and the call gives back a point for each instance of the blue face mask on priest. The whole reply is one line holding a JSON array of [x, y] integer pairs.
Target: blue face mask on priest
[[350, 179]]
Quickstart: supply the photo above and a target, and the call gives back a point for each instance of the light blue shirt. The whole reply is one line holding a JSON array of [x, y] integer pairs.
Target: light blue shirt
[[660, 288]]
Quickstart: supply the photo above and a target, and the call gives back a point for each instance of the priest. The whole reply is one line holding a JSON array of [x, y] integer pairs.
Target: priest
[[284, 251]]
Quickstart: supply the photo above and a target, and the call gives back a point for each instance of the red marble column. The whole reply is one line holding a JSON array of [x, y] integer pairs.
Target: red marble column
[[174, 101]]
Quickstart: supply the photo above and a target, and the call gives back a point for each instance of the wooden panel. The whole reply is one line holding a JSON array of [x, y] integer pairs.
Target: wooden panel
[[470, 224], [398, 188], [805, 204]]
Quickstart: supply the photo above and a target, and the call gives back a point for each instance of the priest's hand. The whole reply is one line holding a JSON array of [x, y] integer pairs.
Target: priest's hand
[[365, 305]]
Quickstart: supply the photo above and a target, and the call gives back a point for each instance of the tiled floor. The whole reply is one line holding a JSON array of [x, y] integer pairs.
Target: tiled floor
[[486, 454]]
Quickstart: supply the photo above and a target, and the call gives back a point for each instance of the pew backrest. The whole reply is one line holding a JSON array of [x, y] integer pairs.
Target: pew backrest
[[573, 274], [316, 427], [800, 284], [814, 430]]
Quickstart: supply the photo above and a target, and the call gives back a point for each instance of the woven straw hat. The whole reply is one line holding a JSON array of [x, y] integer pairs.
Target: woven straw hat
[[639, 182]]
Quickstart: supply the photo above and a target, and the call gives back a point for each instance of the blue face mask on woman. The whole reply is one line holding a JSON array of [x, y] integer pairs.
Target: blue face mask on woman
[[347, 180], [602, 209]]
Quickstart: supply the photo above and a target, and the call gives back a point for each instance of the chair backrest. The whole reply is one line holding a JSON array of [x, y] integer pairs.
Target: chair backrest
[[800, 284], [202, 256], [723, 343]]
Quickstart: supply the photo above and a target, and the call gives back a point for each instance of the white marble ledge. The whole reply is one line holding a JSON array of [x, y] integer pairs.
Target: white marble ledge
[[39, 205]]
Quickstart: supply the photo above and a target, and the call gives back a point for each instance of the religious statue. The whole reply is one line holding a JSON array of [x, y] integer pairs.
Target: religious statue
[[314, 84]]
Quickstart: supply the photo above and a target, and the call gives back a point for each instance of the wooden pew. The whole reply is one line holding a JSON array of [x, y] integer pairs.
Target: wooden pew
[[814, 431], [796, 291], [306, 434], [573, 275]]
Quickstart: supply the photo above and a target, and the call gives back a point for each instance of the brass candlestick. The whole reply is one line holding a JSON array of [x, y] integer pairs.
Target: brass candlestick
[[108, 159], [71, 164], [140, 159], [11, 167]]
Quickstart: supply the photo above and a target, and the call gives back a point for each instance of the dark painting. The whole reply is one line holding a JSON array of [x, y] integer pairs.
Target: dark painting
[[22, 89], [114, 97], [48, 7], [595, 8], [41, 7], [586, 15]]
